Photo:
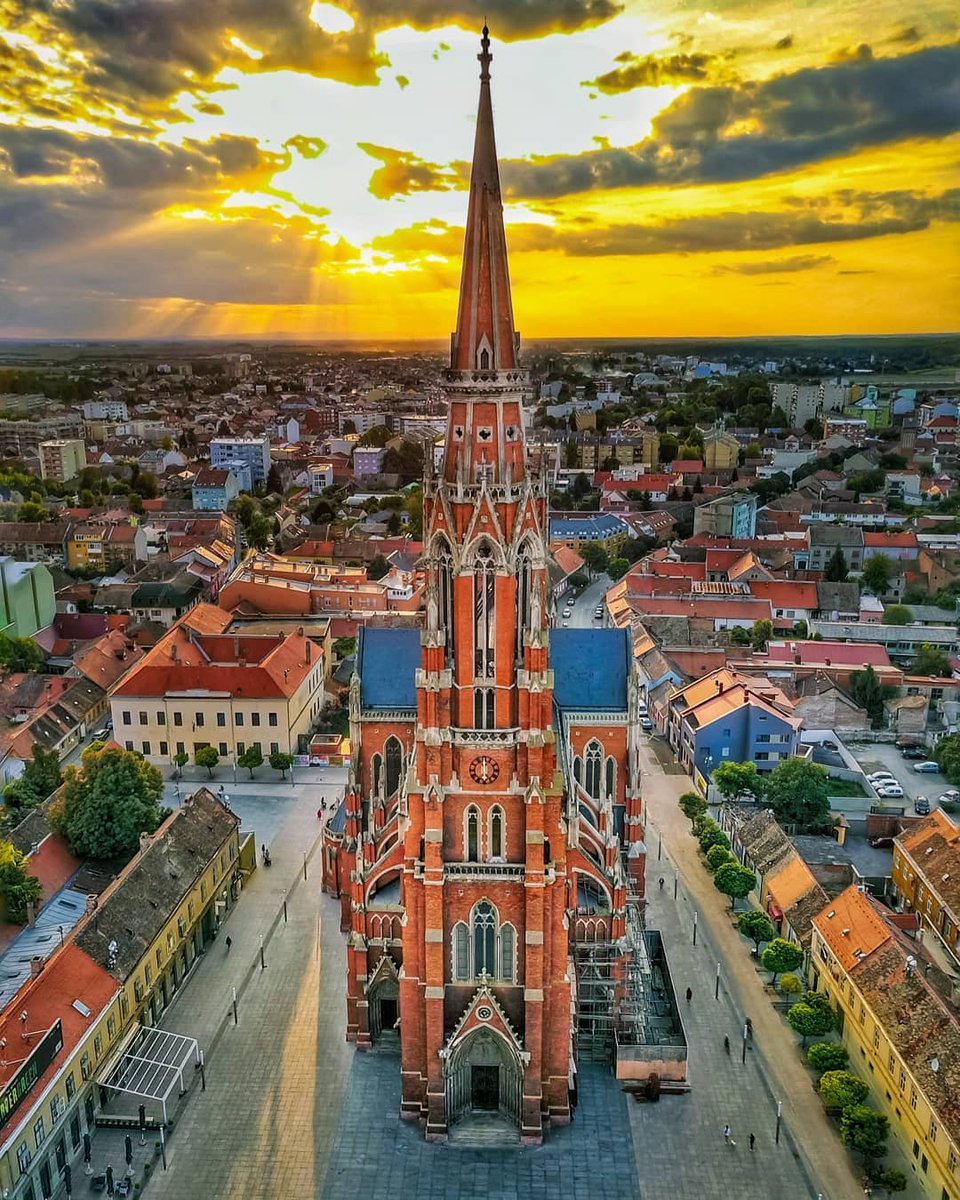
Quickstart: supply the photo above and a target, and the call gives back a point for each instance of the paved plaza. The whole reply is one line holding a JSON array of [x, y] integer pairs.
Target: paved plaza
[[291, 1110]]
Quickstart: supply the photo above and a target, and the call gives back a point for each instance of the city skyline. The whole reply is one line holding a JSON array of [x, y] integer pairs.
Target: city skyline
[[180, 171]]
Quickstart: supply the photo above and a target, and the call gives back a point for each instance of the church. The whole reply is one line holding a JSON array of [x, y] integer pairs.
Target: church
[[492, 819]]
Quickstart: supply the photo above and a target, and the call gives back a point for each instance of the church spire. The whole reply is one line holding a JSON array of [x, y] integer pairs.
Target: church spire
[[485, 337]]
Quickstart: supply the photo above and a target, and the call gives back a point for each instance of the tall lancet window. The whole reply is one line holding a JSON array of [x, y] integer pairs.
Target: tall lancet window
[[444, 562], [524, 583], [484, 939], [484, 579]]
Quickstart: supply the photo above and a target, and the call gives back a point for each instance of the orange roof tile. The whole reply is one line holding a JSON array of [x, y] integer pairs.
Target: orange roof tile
[[850, 927]]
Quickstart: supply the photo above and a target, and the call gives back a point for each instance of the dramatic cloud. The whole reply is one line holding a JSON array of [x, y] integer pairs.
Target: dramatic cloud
[[781, 266], [747, 130], [403, 173], [652, 71], [785, 43]]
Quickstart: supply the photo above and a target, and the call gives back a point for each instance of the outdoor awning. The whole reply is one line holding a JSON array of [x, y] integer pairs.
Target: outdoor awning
[[153, 1066]]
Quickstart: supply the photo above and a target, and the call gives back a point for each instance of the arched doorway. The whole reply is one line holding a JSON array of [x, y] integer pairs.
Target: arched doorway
[[384, 1009], [483, 1075]]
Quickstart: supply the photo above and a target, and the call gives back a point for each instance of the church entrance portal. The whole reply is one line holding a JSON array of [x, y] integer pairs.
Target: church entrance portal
[[483, 1074], [384, 1010], [484, 1088]]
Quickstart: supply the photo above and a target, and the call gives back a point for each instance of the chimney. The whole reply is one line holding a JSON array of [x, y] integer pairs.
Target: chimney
[[309, 647], [145, 840], [92, 902], [31, 914], [36, 965]]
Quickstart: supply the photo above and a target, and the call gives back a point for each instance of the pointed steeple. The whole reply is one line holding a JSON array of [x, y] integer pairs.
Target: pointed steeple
[[485, 337]]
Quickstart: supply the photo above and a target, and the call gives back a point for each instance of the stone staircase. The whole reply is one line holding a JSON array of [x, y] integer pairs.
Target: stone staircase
[[483, 1129]]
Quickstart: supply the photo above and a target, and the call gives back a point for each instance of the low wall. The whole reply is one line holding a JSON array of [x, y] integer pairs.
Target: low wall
[[638, 1062]]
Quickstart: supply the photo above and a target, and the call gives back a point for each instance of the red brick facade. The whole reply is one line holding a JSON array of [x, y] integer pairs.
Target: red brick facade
[[481, 831]]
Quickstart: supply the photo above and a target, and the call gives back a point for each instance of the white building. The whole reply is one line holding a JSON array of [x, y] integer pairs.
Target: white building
[[105, 410]]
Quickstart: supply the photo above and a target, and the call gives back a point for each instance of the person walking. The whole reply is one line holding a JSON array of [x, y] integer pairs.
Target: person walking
[[728, 1136], [229, 943], [689, 994], [661, 883], [753, 1139], [726, 1046]]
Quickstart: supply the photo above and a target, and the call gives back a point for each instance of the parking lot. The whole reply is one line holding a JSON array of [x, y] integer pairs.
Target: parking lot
[[886, 757]]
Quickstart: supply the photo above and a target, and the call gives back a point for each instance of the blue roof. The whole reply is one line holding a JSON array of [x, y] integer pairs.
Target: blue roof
[[586, 528], [590, 668], [387, 660]]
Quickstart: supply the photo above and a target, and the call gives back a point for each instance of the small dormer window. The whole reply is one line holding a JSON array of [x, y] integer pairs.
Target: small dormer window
[[484, 360]]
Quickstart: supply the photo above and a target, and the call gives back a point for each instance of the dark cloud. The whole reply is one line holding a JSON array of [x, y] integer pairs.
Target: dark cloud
[[909, 35], [403, 173], [785, 43], [719, 134], [509, 20], [652, 71], [780, 266], [209, 108]]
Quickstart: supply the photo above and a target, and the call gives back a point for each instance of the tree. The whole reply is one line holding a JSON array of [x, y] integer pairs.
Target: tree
[[797, 792], [595, 558], [892, 1180], [840, 1089], [736, 779], [107, 802], [790, 984], [807, 1021], [274, 480], [40, 778], [378, 436], [876, 574], [870, 694], [180, 759], [617, 568], [579, 579], [206, 756], [734, 880], [692, 805], [251, 758], [931, 660], [864, 1130], [712, 835], [757, 926], [740, 636], [827, 1056], [345, 646], [716, 857], [835, 570], [897, 614], [259, 531], [378, 568], [20, 654], [18, 890], [281, 762], [781, 955]]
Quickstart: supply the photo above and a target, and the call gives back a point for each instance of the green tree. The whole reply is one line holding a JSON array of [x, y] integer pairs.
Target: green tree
[[946, 754], [897, 614], [18, 889], [734, 880], [716, 857], [20, 654], [33, 512], [757, 926], [791, 984], [107, 802], [876, 574], [251, 758], [740, 636], [378, 437], [579, 579], [378, 568], [893, 1181], [345, 646], [761, 633], [274, 480], [870, 694], [180, 759], [930, 660], [259, 531], [797, 792], [835, 570], [840, 1089], [207, 756], [595, 557], [864, 1130], [281, 762], [734, 780], [40, 778], [617, 568], [827, 1056], [712, 835], [692, 805], [781, 955]]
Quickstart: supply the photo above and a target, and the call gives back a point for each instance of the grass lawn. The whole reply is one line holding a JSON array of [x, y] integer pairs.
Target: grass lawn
[[844, 787]]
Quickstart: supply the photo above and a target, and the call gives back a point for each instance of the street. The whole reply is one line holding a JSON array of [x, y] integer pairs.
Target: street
[[582, 608]]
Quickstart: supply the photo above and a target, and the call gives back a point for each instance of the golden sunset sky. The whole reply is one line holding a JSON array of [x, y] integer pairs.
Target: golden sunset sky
[[176, 168]]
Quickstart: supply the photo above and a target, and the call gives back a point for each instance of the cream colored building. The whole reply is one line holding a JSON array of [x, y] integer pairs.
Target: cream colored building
[[62, 459]]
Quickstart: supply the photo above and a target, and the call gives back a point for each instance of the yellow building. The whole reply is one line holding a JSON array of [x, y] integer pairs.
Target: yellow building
[[926, 876], [721, 452], [650, 448], [88, 1004], [902, 1035]]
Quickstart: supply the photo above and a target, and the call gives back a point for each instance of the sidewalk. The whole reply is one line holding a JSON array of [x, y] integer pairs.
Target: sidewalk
[[821, 1160]]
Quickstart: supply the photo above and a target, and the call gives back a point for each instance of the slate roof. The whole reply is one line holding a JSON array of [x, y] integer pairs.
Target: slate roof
[[137, 907], [590, 668], [387, 662]]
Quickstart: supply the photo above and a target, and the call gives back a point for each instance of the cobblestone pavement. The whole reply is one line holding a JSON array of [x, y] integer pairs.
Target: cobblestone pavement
[[378, 1157], [810, 1159]]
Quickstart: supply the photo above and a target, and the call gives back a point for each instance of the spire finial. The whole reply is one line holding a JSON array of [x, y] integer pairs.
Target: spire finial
[[485, 56]]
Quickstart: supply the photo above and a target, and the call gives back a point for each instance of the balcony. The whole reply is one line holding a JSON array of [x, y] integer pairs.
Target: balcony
[[483, 737], [484, 870]]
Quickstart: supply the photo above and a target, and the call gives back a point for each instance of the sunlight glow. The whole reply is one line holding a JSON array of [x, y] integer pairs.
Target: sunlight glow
[[330, 18]]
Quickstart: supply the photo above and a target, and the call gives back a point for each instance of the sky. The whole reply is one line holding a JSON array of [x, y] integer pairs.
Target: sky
[[292, 168]]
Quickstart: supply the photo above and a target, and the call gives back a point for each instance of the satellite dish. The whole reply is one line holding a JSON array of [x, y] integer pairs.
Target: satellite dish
[[934, 1064]]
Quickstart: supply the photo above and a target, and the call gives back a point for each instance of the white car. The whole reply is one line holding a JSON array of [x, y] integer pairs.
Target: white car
[[881, 775], [951, 796], [568, 612], [895, 792], [883, 781]]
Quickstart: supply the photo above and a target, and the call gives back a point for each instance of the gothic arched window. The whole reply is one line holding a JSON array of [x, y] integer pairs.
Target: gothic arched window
[[484, 939], [495, 839], [611, 780], [593, 763], [394, 757], [376, 774], [524, 584], [484, 580], [483, 710], [484, 360], [461, 952], [444, 561], [471, 834], [508, 953]]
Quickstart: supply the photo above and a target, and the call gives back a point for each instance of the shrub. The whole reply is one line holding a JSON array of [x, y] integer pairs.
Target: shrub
[[811, 1017], [734, 880], [840, 1089], [757, 926], [717, 856], [791, 984], [692, 805], [864, 1130], [713, 835], [893, 1180], [827, 1056]]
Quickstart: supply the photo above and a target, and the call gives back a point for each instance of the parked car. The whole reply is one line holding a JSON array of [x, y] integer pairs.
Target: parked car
[[568, 612], [921, 806], [950, 796], [926, 768], [893, 792], [881, 843], [641, 708], [913, 751], [875, 775], [646, 724]]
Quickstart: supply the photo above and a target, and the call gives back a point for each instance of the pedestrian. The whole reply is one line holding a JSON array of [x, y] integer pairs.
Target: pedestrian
[[229, 943], [728, 1136], [753, 1138], [689, 994], [661, 883], [726, 1044], [319, 814]]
